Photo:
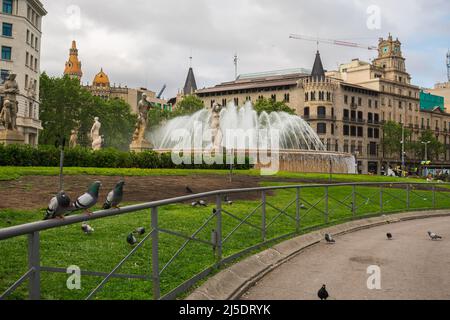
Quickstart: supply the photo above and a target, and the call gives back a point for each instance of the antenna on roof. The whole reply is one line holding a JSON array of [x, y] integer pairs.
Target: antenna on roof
[[235, 66]]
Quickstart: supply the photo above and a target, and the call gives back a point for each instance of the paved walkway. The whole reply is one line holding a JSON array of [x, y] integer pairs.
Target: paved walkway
[[412, 266]]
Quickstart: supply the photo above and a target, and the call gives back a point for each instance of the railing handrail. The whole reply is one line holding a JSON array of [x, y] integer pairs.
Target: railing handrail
[[32, 227]]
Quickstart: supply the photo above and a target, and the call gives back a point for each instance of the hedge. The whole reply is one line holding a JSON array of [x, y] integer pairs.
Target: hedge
[[48, 156]]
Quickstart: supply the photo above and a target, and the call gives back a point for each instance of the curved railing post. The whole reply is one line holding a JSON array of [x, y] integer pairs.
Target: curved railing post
[[326, 205], [381, 198], [34, 263], [155, 255], [219, 228], [263, 216], [408, 205], [353, 200], [297, 210]]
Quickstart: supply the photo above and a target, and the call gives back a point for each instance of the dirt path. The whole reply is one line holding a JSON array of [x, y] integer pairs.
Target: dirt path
[[34, 192]]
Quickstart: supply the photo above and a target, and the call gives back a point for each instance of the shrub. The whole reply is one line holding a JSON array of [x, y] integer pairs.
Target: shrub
[[49, 156]]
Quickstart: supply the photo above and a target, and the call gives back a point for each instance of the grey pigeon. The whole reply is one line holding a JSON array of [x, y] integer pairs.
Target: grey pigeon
[[87, 229], [199, 203], [389, 236], [434, 236], [131, 239], [87, 200], [139, 231], [114, 196], [323, 293], [227, 200], [329, 238], [58, 206], [189, 190]]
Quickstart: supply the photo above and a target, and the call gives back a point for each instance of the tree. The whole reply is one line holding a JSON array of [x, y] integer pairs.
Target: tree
[[270, 105], [188, 105], [392, 139], [434, 148], [65, 106]]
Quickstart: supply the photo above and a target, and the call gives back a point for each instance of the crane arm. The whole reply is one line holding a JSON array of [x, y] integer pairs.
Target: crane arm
[[332, 41]]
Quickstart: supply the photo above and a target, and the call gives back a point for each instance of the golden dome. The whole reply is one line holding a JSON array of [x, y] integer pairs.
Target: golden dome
[[101, 79]]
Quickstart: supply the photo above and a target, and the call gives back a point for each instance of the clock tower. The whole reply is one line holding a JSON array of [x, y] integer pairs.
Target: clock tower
[[391, 60]]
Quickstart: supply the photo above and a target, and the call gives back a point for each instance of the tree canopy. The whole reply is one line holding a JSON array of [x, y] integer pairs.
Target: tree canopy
[[270, 105], [65, 106]]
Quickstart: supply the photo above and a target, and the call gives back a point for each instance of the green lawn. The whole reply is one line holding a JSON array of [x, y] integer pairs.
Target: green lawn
[[11, 173], [102, 250]]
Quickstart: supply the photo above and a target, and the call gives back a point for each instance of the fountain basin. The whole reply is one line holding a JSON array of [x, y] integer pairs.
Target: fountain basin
[[296, 160]]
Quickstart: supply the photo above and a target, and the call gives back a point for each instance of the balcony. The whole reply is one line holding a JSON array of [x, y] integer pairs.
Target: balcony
[[355, 120], [319, 117]]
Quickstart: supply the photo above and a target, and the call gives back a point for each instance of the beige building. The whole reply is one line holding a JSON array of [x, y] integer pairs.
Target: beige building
[[102, 87], [20, 42], [348, 106], [443, 90]]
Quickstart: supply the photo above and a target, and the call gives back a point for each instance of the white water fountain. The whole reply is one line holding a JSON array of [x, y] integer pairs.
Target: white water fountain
[[300, 148]]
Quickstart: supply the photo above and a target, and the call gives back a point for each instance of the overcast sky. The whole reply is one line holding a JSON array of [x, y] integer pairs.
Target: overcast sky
[[147, 43]]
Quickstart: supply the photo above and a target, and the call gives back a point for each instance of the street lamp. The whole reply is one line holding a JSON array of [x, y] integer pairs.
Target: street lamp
[[426, 154]]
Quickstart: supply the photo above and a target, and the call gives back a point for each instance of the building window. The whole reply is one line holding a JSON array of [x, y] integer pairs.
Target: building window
[[346, 114], [321, 112], [313, 96], [370, 132], [360, 132], [7, 29], [273, 97], [359, 102], [306, 96], [28, 36], [236, 102], [286, 97], [376, 133], [3, 75], [346, 130], [35, 64], [27, 58], [7, 6], [332, 128], [346, 99], [26, 82], [224, 102], [370, 103], [353, 131], [370, 117], [306, 112], [321, 128], [6, 53], [376, 118]]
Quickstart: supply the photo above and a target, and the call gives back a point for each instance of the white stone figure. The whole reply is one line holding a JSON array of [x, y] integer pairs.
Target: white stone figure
[[73, 142], [214, 125], [95, 135]]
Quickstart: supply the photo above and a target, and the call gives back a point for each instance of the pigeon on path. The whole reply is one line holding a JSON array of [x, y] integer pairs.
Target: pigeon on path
[[139, 231], [434, 236], [88, 199], [114, 197], [389, 236], [199, 203], [323, 293], [57, 206], [329, 238], [189, 190]]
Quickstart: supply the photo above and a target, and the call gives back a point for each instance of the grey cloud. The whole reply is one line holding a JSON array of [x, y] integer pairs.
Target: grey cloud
[[147, 43]]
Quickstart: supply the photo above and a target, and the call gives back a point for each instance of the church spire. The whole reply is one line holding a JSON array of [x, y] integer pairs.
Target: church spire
[[190, 86], [73, 65], [318, 72]]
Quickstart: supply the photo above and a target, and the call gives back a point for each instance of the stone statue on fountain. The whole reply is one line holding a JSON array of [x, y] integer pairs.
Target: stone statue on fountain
[[214, 125], [139, 142], [97, 139], [9, 134]]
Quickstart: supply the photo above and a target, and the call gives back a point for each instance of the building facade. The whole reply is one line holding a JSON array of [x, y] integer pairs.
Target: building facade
[[21, 23], [102, 87], [347, 107]]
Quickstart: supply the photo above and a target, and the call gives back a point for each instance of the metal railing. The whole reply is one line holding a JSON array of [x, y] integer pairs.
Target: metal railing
[[324, 203]]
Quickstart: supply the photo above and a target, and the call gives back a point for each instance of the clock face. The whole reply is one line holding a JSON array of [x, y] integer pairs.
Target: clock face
[[396, 49], [385, 50]]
